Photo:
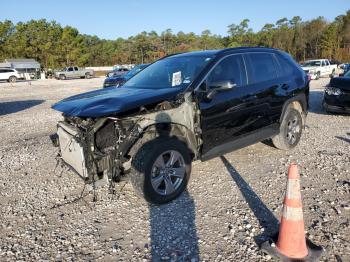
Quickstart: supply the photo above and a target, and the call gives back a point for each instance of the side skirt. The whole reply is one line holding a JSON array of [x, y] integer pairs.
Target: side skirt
[[240, 142]]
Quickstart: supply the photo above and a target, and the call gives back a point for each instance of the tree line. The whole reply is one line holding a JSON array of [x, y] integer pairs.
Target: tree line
[[56, 46]]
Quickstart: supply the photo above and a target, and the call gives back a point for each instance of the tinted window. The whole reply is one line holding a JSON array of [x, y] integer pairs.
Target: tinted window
[[76, 68], [285, 68], [323, 63], [70, 69], [231, 69], [261, 67], [1, 70]]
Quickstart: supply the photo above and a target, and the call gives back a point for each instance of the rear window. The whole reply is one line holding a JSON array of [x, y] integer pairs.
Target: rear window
[[262, 67], [285, 68]]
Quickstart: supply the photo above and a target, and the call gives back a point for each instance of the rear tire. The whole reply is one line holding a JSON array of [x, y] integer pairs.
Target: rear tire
[[87, 76], [290, 130], [154, 177], [12, 79]]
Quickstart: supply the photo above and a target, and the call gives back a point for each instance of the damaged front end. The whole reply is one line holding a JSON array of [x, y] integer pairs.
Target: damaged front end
[[95, 148]]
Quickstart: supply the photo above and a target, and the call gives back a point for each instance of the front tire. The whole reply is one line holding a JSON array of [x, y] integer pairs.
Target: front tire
[[161, 169], [12, 79], [87, 76], [62, 77], [290, 130]]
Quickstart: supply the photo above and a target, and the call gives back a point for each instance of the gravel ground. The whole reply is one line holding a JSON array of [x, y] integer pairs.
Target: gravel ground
[[231, 205]]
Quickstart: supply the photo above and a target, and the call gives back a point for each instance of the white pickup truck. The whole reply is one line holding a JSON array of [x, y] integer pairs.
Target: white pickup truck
[[73, 72], [318, 67]]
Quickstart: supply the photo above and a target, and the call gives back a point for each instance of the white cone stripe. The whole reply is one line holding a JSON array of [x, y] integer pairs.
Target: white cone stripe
[[293, 189], [293, 213]]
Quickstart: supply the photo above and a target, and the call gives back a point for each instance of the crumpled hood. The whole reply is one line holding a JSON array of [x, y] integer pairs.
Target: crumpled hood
[[107, 101], [340, 82]]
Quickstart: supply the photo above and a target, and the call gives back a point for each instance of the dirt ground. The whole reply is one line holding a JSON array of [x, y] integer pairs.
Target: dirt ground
[[232, 203]]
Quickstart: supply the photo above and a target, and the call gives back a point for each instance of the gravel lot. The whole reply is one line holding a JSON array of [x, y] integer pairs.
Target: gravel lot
[[232, 202]]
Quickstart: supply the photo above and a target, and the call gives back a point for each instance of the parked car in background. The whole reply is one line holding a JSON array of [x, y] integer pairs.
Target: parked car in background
[[337, 95], [119, 80], [346, 68], [118, 72], [183, 107], [74, 72], [9, 74], [318, 67]]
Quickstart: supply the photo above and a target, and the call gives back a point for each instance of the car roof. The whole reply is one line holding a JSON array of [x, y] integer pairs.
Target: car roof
[[225, 51]]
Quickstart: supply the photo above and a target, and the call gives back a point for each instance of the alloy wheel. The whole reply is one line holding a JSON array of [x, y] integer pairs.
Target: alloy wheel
[[293, 130], [168, 172]]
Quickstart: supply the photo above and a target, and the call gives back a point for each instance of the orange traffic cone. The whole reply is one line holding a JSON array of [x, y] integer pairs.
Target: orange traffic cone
[[291, 239], [291, 244]]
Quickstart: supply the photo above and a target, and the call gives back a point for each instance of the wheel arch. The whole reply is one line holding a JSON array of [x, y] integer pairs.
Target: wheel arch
[[300, 103]]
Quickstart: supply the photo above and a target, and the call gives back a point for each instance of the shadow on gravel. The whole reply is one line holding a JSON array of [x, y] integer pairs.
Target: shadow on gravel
[[173, 227], [343, 138], [265, 217], [173, 230], [16, 106]]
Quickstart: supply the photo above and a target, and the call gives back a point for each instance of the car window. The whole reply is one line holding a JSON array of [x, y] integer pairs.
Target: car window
[[231, 69], [323, 63], [70, 69], [1, 71], [262, 67], [76, 68], [285, 68]]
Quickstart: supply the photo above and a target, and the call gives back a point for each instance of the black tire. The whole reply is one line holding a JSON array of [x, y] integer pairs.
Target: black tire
[[318, 75], [12, 79], [290, 130], [62, 77], [143, 170], [87, 75]]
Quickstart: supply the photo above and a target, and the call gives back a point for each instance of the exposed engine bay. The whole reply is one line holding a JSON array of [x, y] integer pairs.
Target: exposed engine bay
[[98, 147]]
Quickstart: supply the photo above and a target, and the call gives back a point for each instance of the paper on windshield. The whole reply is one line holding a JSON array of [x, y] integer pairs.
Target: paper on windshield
[[176, 81]]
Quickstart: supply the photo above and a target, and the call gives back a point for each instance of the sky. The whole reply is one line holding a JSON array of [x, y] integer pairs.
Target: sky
[[110, 19]]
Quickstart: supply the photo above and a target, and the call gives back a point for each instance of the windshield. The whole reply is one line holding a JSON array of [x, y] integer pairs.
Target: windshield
[[169, 72], [312, 63]]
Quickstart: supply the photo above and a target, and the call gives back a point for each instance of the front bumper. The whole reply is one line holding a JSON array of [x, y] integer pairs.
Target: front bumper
[[337, 104], [72, 152]]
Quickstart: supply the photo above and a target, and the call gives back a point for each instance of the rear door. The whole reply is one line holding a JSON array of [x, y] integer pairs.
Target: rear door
[[70, 72], [2, 74], [76, 72]]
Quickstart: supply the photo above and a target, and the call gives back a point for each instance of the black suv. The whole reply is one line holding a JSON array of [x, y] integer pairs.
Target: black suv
[[182, 108]]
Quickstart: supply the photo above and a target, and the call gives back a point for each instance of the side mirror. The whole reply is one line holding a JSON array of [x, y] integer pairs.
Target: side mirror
[[219, 86]]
